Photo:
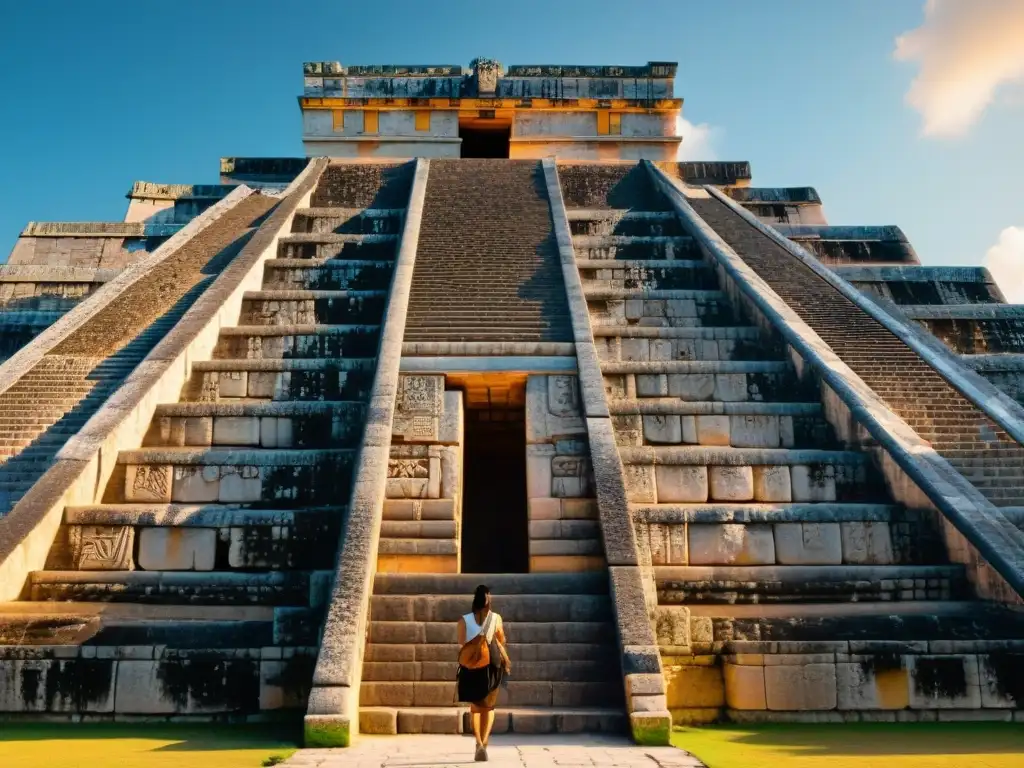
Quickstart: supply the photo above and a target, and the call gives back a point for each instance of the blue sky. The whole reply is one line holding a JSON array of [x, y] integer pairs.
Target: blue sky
[[100, 94]]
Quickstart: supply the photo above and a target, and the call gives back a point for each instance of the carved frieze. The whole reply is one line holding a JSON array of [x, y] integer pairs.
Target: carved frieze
[[101, 547]]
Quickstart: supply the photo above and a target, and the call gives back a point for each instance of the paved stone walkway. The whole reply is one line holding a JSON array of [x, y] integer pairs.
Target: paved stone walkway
[[508, 751]]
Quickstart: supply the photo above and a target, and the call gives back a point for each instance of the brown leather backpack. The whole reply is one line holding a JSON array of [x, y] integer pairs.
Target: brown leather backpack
[[476, 653]]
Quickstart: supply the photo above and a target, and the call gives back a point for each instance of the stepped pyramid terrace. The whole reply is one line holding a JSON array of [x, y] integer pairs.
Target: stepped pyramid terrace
[[718, 458]]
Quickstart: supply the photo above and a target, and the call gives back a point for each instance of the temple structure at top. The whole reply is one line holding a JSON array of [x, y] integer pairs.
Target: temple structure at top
[[528, 111]]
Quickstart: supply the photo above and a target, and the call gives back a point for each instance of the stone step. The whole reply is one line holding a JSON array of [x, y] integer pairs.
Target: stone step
[[419, 529], [694, 367], [693, 585], [418, 509], [708, 333], [517, 693], [623, 222], [562, 671], [169, 587], [623, 265], [529, 608], [500, 584], [738, 430], [523, 720], [327, 274], [566, 529], [526, 632]]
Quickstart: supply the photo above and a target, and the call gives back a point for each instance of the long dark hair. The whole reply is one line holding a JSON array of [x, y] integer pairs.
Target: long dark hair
[[480, 597]]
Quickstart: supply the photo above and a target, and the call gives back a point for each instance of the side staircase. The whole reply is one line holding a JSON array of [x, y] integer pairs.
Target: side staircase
[[201, 578], [790, 585]]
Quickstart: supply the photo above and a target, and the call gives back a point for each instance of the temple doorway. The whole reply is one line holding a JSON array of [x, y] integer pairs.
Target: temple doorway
[[495, 532], [485, 137]]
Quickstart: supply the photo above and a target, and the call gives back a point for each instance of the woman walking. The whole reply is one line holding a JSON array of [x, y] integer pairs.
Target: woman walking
[[483, 662]]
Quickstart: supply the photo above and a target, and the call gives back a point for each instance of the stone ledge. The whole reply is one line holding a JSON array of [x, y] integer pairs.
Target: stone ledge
[[708, 456], [913, 274], [718, 333], [641, 293], [667, 406], [990, 311], [30, 273], [831, 512], [694, 366], [487, 349], [189, 515]]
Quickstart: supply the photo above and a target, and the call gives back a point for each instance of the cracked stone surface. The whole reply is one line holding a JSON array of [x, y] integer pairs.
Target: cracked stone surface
[[507, 751]]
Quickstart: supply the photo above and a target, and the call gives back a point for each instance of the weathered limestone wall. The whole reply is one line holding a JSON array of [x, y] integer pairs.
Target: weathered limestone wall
[[423, 510], [918, 285], [608, 148], [559, 478], [154, 203]]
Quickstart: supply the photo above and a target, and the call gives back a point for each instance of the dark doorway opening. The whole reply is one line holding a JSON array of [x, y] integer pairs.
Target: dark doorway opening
[[485, 142], [495, 537]]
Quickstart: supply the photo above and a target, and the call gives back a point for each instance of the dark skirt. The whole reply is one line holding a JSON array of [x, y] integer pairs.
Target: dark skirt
[[479, 686]]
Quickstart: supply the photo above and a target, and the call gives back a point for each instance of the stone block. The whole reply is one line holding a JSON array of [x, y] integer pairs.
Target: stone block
[[874, 683], [194, 484], [635, 349], [406, 487], [57, 686], [772, 484], [650, 728], [177, 549], [691, 387], [751, 431], [815, 482], [553, 408], [730, 387], [744, 687], [689, 426], [236, 430], [866, 543], [147, 483], [579, 509], [538, 470], [198, 430], [672, 625], [694, 686], [327, 731], [640, 484], [728, 483], [140, 690], [794, 688], [451, 472], [450, 427], [731, 544], [944, 682], [808, 544], [712, 430], [680, 483], [662, 430], [378, 722]]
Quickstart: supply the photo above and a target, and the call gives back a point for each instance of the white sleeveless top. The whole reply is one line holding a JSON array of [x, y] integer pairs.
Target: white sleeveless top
[[489, 628]]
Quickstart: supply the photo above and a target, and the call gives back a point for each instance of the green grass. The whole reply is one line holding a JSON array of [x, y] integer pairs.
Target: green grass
[[856, 745], [60, 745]]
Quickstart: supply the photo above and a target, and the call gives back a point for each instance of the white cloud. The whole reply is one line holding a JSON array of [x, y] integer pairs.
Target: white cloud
[[1005, 261], [696, 143], [966, 50]]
